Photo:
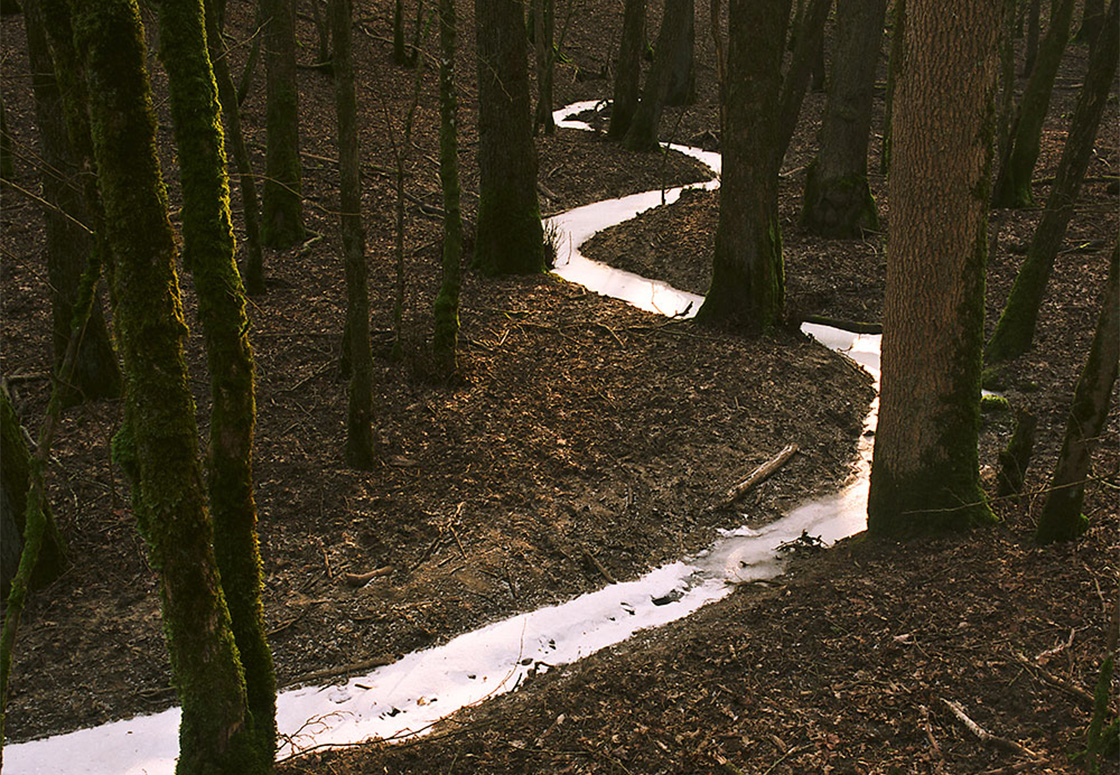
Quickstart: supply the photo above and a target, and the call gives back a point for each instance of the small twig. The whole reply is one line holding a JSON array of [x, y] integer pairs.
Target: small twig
[[985, 735], [599, 566], [1054, 680], [359, 579], [1045, 655]]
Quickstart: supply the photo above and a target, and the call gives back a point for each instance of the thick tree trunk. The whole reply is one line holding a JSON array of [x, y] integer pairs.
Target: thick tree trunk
[[628, 72], [643, 132], [246, 181], [682, 78], [68, 229], [158, 444], [282, 217], [838, 201], [508, 238], [359, 419], [1034, 23], [208, 252], [1061, 518], [748, 287], [925, 472], [810, 33], [1092, 22], [1012, 186], [446, 312], [1015, 330]]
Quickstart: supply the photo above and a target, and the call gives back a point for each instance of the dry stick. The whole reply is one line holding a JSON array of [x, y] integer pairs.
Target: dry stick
[[332, 672], [757, 476], [1054, 680], [358, 579], [985, 735]]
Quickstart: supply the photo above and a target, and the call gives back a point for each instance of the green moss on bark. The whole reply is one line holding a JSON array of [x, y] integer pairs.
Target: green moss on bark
[[838, 208]]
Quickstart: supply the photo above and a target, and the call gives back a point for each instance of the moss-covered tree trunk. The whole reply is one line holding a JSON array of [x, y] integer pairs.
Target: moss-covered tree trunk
[[246, 181], [446, 312], [810, 32], [158, 444], [544, 33], [281, 201], [359, 418], [838, 201], [748, 285], [925, 472], [509, 238], [628, 70], [1015, 329], [68, 229], [208, 252], [1012, 187], [1061, 518], [643, 132]]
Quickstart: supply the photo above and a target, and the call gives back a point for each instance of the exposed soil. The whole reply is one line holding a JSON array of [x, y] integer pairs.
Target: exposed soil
[[584, 433]]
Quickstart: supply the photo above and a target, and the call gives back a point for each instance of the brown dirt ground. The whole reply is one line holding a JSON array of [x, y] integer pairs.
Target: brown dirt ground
[[583, 432]]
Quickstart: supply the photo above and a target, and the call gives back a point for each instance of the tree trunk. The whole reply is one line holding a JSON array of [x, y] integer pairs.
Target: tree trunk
[[1034, 22], [68, 229], [643, 131], [208, 252], [1092, 22], [748, 288], [246, 181], [898, 36], [925, 471], [446, 312], [838, 201], [359, 422], [629, 70], [1015, 330], [158, 443], [282, 217], [544, 23], [508, 238], [682, 78], [1013, 182], [1061, 518], [810, 32]]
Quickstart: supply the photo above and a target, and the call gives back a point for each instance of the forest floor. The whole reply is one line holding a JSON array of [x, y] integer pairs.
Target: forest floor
[[585, 439]]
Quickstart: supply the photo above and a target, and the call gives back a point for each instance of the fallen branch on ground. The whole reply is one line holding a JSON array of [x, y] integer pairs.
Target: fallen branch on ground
[[757, 476], [985, 735], [358, 579]]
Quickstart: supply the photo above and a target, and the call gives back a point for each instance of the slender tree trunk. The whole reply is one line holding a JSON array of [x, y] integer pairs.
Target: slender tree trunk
[[7, 161], [682, 77], [925, 471], [246, 181], [282, 217], [1061, 518], [158, 446], [1013, 183], [642, 134], [629, 70], [748, 287], [1034, 23], [508, 237], [544, 21], [898, 37], [359, 422], [838, 201], [1092, 22], [68, 229], [208, 252], [809, 34], [444, 342], [1015, 330]]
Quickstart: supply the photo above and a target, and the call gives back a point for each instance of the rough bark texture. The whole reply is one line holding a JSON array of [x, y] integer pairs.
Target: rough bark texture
[[810, 33], [838, 201], [748, 285], [359, 417], [68, 229], [158, 445], [1015, 330], [231, 111], [446, 312], [208, 252], [508, 238], [1061, 518], [898, 51], [544, 31], [925, 472], [628, 71], [282, 204], [643, 132], [1012, 187]]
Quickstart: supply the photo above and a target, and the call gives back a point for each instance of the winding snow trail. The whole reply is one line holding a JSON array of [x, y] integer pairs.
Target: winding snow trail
[[409, 696]]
